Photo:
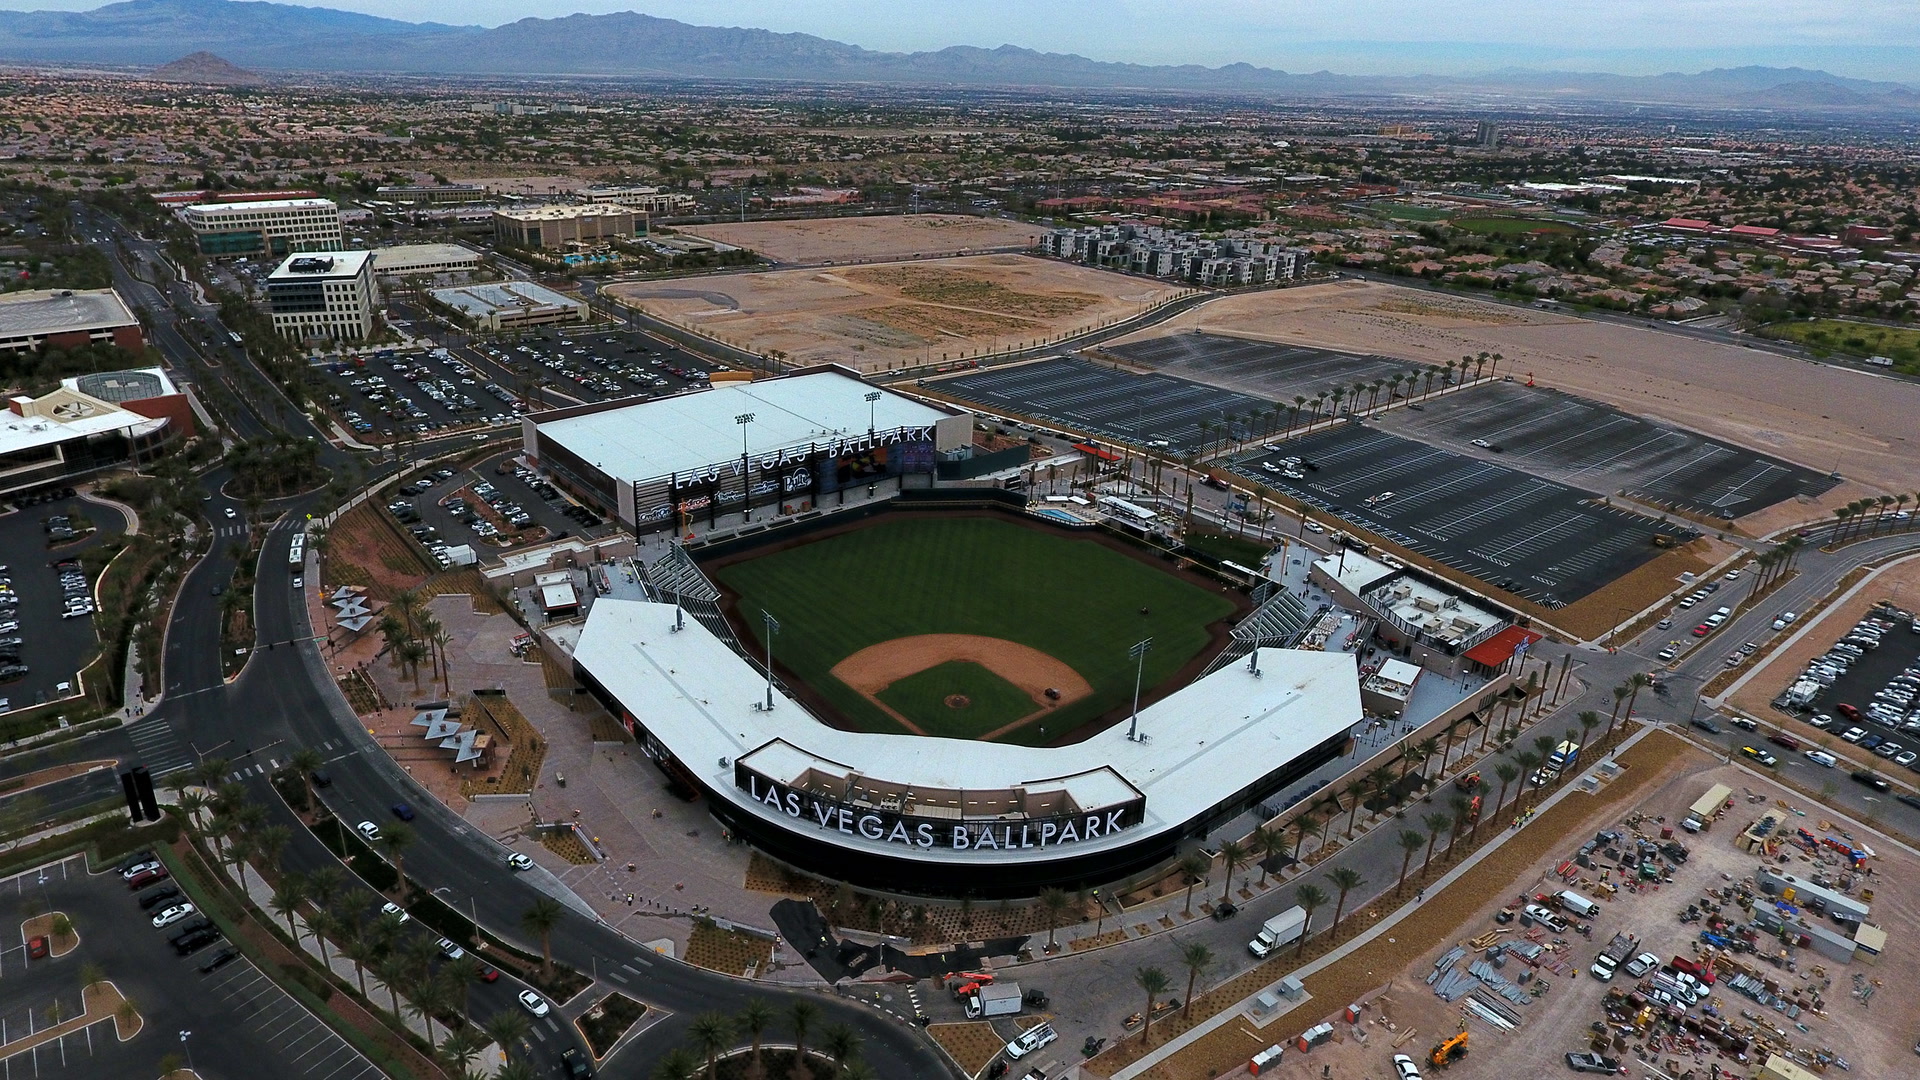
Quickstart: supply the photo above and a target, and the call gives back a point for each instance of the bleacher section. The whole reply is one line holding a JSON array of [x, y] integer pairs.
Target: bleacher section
[[1277, 623]]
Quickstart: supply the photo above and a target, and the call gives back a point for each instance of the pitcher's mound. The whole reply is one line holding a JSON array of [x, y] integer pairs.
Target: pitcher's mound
[[958, 701]]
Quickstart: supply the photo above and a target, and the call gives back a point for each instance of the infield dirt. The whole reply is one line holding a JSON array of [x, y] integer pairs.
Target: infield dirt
[[877, 667], [894, 315], [1814, 414], [870, 239]]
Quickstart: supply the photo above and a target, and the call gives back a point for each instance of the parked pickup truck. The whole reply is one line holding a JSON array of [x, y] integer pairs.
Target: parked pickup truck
[[1612, 957]]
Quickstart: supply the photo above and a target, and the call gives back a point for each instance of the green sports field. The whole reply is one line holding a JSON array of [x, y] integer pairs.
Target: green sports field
[[1072, 599]]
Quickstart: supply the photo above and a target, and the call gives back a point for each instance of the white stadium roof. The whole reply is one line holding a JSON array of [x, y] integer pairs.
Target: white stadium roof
[[1209, 740], [691, 431]]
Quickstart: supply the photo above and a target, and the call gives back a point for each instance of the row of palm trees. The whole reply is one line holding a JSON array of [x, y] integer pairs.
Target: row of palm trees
[[1772, 564], [713, 1034], [1850, 522], [412, 636], [1261, 423]]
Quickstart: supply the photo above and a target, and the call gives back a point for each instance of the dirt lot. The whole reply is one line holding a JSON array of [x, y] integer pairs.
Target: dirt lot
[[892, 315], [1875, 1039], [870, 239], [1808, 413]]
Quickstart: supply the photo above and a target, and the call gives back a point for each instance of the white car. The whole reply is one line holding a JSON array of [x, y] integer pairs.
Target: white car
[[533, 1003], [368, 831], [1822, 758], [451, 948], [173, 915], [399, 913], [1404, 1068], [518, 861], [299, 582], [230, 513], [137, 869]]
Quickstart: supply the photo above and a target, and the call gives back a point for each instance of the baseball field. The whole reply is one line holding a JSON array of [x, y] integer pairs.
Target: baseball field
[[972, 627]]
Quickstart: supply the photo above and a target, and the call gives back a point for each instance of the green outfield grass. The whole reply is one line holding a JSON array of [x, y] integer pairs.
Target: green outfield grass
[[1502, 226], [992, 702], [1072, 599]]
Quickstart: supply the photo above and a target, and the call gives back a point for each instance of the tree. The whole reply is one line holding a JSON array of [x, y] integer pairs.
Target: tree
[[1198, 958], [800, 1016], [1154, 982], [1265, 843], [1410, 842], [1436, 824], [1589, 719], [1054, 902], [754, 1019], [305, 760], [1302, 825], [321, 924], [1355, 790], [711, 1033], [1232, 858], [1527, 760], [1312, 899], [363, 951], [394, 840], [286, 901], [1346, 879], [843, 1043], [1480, 790], [1194, 866], [269, 842], [506, 1028], [676, 1064], [1634, 682], [540, 918]]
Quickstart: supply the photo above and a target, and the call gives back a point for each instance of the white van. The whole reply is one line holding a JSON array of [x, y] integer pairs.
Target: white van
[[1575, 904]]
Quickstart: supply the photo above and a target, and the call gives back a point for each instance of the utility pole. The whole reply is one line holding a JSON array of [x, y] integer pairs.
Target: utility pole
[[773, 627], [1139, 653]]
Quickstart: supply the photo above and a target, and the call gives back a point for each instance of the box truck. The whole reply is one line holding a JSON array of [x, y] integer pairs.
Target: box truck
[[1283, 929], [994, 999]]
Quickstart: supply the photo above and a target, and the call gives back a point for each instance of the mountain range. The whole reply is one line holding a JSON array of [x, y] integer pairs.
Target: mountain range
[[285, 38]]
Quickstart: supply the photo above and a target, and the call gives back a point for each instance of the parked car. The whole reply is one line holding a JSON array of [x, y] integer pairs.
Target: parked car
[[172, 915], [534, 1003]]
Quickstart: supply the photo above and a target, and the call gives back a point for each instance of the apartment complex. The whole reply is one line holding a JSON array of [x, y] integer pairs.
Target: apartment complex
[[324, 294], [1173, 253], [567, 225], [269, 227], [66, 319]]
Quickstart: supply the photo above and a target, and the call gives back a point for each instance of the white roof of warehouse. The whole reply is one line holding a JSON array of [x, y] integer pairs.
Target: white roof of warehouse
[[690, 431], [1209, 739], [52, 311]]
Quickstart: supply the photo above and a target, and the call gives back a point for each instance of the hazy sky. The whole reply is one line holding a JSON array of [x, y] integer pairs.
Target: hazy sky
[[1351, 35]]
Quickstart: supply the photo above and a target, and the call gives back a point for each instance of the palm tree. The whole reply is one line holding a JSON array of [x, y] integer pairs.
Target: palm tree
[[1232, 857], [413, 652], [1634, 682], [1619, 697], [1198, 958], [1301, 826], [1430, 751], [1194, 867], [1411, 755], [394, 841], [321, 924], [1480, 790], [239, 850], [1436, 824], [1461, 806], [392, 970], [459, 1049], [506, 1028], [676, 1064], [362, 951], [710, 1032], [1154, 982], [441, 639], [1312, 899], [1528, 761], [192, 803], [540, 918], [801, 1014], [1589, 720], [305, 760], [324, 883], [843, 1043], [269, 842], [286, 901], [1053, 901], [1346, 879], [754, 1019], [1264, 844], [1393, 385], [1381, 780]]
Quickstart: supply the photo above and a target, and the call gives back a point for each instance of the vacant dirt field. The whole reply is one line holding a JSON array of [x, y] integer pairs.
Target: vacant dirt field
[[870, 239], [892, 315], [1808, 413]]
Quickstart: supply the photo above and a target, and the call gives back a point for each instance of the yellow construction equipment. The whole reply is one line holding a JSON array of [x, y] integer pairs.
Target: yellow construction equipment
[[1449, 1052]]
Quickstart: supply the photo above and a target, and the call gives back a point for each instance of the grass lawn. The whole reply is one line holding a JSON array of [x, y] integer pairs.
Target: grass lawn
[[1072, 599], [1404, 212], [1227, 546], [992, 702], [1502, 226], [1900, 344]]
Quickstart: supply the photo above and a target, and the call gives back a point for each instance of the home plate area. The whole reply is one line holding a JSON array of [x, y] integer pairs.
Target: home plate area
[[960, 685]]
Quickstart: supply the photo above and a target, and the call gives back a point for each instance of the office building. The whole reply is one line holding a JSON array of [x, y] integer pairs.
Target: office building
[[567, 225], [324, 294], [506, 305], [272, 227], [66, 319], [431, 194], [90, 422], [423, 260]]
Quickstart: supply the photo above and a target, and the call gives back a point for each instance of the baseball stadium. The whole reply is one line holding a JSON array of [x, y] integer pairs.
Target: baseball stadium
[[964, 698]]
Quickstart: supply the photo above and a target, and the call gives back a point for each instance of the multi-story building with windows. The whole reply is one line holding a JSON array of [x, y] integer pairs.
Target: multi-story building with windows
[[582, 224], [324, 294], [272, 227]]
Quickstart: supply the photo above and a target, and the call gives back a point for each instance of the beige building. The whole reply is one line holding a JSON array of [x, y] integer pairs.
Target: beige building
[[267, 227], [324, 294], [556, 227]]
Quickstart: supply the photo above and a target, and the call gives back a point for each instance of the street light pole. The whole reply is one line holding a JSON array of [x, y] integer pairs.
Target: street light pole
[[873, 396], [1139, 653], [773, 627], [746, 467]]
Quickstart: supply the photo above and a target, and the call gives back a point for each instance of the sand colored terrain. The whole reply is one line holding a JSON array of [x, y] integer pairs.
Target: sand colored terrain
[[892, 315], [866, 239], [877, 667], [1816, 415]]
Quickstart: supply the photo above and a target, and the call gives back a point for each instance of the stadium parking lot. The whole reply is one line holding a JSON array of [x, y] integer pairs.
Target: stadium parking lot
[[378, 397], [1081, 395], [1537, 539], [514, 486], [34, 627], [1261, 368], [1598, 447], [1899, 650], [580, 365], [230, 1035]]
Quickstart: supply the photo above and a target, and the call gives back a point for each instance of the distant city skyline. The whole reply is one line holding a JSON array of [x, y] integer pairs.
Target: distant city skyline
[[1877, 39]]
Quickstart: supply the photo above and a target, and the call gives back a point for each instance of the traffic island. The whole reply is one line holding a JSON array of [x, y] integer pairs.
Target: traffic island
[[57, 928], [972, 1046], [607, 1022], [100, 1001]]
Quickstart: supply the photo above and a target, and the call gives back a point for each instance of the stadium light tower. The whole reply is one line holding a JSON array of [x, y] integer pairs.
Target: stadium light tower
[[773, 627], [746, 469], [872, 397], [1139, 653]]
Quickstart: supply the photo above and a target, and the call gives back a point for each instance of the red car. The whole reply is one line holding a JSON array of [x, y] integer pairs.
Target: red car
[[1847, 711], [147, 877], [1786, 741], [489, 974], [1702, 630], [37, 948]]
